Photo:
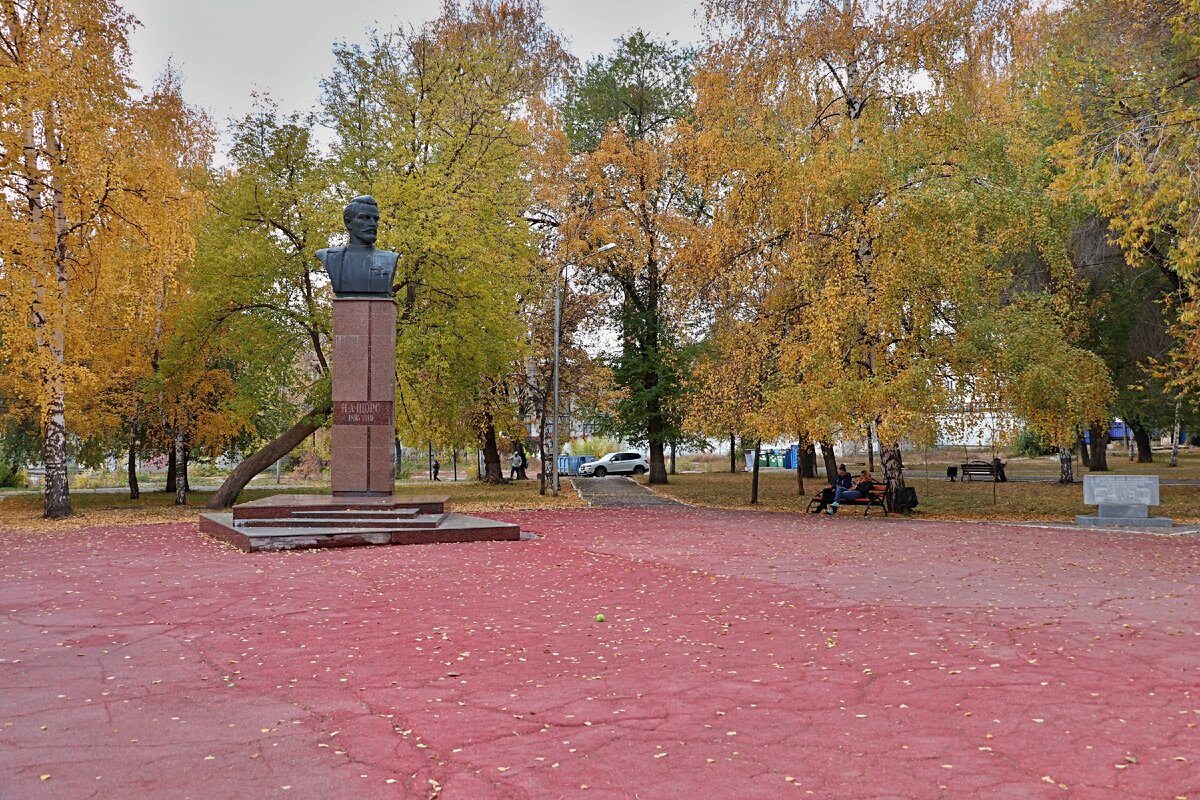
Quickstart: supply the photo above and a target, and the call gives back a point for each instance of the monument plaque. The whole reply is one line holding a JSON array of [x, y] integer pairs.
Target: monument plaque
[[1123, 500], [373, 412]]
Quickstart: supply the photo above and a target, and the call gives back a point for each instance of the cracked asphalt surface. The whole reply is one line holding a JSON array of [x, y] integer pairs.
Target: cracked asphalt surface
[[742, 655], [617, 491]]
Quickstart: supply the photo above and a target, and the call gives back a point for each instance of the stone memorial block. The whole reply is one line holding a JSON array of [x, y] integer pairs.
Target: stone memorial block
[[1123, 500]]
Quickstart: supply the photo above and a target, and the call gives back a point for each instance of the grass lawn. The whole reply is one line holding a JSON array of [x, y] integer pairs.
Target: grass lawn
[[24, 510], [1118, 462], [940, 499]]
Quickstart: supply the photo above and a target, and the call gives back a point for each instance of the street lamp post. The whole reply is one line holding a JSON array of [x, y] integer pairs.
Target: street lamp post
[[559, 278]]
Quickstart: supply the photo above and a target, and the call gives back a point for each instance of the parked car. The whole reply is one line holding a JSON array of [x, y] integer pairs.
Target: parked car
[[616, 464]]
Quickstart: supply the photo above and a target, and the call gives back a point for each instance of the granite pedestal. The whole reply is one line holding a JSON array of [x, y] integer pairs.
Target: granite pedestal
[[1124, 502], [363, 462], [362, 509]]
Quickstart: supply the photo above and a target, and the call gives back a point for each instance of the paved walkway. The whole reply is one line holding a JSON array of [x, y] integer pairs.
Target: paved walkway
[[615, 491], [742, 655]]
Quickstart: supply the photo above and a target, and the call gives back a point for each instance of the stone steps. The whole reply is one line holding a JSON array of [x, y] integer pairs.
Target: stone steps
[[450, 528], [359, 513], [333, 521]]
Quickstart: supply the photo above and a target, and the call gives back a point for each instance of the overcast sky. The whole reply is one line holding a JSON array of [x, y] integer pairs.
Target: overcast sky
[[227, 49]]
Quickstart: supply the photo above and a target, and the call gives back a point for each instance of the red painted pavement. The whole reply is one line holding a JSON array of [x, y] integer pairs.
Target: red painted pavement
[[742, 656]]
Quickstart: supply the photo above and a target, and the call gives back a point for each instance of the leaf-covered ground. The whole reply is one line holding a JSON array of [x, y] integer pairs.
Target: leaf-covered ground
[[742, 655], [115, 508]]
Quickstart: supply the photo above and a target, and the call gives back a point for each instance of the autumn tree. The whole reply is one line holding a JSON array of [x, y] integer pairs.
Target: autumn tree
[[734, 372], [1124, 72], [438, 124], [1023, 361], [258, 293], [626, 115], [95, 187], [863, 147]]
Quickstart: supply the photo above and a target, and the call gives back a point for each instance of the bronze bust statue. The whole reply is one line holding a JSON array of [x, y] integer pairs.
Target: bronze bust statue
[[359, 270]]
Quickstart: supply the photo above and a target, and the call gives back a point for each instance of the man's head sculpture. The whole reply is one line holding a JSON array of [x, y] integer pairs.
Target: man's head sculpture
[[360, 270], [361, 216]]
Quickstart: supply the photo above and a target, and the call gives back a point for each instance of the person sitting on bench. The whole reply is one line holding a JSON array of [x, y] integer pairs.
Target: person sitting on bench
[[861, 489], [841, 480]]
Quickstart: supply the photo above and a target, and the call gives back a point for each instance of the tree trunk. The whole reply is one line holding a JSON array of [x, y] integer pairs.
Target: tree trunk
[[1175, 438], [180, 468], [658, 464], [48, 310], [57, 499], [800, 466], [493, 472], [272, 451], [134, 491], [187, 459], [672, 458], [542, 454], [871, 449], [1098, 453], [1066, 467], [754, 479], [1142, 437], [830, 460], [733, 452], [1085, 457], [893, 472], [171, 470], [808, 459]]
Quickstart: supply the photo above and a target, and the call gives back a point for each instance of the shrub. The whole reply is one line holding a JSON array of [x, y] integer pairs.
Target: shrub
[[1031, 445], [13, 477], [595, 446]]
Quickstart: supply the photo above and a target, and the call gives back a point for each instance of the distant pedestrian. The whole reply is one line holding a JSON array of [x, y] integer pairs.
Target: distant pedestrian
[[436, 468], [518, 463]]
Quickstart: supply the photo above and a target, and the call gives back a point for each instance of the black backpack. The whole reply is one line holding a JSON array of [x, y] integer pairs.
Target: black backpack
[[906, 500]]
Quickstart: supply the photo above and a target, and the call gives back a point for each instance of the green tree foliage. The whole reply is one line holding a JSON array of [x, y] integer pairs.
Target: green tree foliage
[[1126, 72], [626, 111], [259, 296], [643, 87], [438, 124]]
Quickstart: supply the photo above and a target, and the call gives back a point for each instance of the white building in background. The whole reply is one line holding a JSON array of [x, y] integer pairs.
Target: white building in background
[[975, 429]]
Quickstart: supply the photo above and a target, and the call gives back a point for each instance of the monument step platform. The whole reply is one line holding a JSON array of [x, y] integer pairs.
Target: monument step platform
[[452, 528], [359, 513], [330, 521], [289, 505]]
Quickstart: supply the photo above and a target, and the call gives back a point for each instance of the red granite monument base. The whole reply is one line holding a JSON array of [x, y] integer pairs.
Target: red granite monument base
[[304, 521], [363, 462]]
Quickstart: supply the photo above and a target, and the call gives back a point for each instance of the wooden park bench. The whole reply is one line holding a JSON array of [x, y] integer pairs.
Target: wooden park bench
[[876, 498], [990, 469]]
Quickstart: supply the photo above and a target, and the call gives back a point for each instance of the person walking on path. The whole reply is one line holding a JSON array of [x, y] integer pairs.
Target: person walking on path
[[514, 471], [436, 468]]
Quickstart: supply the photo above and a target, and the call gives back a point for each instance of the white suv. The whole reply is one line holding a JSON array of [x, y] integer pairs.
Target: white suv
[[616, 464]]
